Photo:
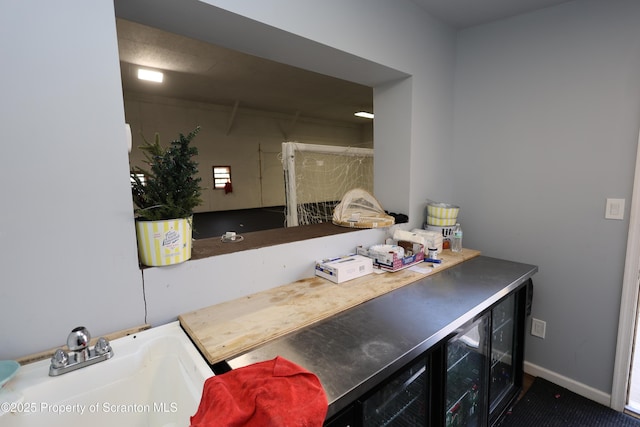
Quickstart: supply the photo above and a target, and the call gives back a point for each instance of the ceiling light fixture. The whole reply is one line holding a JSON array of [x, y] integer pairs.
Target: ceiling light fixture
[[364, 114], [152, 76]]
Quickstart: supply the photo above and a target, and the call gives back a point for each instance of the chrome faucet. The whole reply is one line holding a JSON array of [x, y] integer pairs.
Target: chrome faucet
[[80, 354]]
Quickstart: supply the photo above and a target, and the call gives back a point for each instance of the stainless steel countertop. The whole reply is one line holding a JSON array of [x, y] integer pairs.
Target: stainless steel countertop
[[355, 350]]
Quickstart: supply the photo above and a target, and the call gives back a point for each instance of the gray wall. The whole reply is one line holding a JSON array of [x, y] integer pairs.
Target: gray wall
[[68, 253], [547, 110]]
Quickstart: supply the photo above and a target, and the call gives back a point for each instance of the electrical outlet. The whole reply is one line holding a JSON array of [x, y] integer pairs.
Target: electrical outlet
[[538, 328]]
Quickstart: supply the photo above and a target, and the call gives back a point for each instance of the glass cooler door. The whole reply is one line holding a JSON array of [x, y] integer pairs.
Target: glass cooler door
[[503, 358], [401, 402], [466, 385]]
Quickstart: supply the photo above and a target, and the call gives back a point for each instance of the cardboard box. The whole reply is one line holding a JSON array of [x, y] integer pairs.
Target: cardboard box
[[344, 268], [390, 261]]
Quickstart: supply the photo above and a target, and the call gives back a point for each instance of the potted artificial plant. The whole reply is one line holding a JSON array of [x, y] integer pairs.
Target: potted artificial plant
[[165, 200]]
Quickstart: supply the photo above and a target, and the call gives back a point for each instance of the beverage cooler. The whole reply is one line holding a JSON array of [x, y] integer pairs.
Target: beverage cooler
[[468, 380]]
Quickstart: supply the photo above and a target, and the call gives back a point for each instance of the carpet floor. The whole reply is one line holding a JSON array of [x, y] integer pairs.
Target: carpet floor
[[546, 404]]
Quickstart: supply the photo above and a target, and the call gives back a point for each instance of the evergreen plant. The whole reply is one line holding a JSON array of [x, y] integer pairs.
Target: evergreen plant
[[171, 187]]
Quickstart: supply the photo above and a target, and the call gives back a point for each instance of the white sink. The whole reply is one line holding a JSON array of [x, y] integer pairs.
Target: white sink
[[155, 378]]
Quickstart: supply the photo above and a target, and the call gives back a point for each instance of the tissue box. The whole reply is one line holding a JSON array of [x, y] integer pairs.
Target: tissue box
[[390, 260], [344, 268]]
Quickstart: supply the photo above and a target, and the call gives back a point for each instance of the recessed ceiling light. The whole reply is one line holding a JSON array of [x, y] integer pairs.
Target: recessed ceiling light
[[152, 76], [364, 114]]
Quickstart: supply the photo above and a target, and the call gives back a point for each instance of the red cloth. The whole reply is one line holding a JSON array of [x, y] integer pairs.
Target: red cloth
[[272, 393]]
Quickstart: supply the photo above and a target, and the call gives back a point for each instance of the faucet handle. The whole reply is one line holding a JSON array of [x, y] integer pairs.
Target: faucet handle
[[59, 359], [102, 346], [78, 339]]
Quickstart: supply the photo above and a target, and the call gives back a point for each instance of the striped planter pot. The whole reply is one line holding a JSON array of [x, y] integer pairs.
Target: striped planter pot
[[164, 242]]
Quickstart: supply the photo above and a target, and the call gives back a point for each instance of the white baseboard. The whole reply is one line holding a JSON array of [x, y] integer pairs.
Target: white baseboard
[[576, 387]]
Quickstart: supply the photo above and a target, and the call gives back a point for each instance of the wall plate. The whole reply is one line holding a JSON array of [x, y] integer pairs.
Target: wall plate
[[538, 328], [614, 209]]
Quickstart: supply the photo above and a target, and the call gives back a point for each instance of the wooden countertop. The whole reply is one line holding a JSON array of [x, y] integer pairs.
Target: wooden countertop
[[231, 328]]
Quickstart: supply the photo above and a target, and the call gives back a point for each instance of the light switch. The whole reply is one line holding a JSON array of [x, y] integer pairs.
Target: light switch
[[615, 209]]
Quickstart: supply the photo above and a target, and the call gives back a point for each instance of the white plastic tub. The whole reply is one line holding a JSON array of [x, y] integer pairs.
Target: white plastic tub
[[155, 378]]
